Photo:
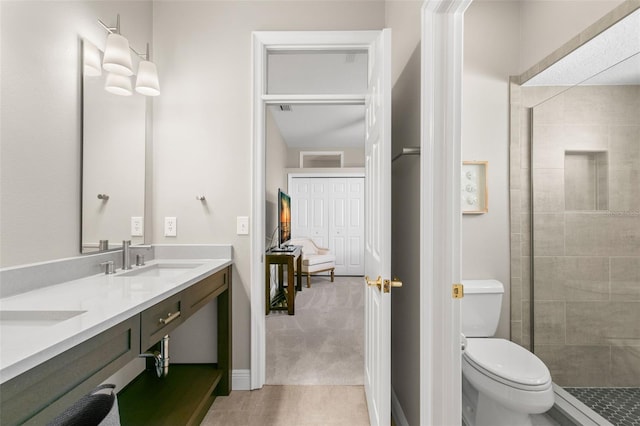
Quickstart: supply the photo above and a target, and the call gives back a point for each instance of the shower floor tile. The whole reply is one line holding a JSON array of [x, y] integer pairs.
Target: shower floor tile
[[620, 406]]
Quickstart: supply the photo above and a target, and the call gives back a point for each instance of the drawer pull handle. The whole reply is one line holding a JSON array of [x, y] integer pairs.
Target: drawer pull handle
[[170, 317]]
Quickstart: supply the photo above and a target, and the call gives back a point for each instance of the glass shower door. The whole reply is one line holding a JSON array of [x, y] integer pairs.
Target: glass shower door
[[585, 186]]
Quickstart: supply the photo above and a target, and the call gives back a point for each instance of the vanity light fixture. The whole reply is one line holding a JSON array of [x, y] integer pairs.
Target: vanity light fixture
[[117, 57], [117, 60], [118, 84], [147, 80]]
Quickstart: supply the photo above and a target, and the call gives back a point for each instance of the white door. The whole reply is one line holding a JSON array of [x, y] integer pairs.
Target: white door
[[377, 374], [355, 227], [309, 207], [338, 217], [346, 224]]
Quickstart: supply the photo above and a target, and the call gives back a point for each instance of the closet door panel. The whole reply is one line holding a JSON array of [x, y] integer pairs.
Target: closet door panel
[[300, 205], [319, 229], [330, 211], [355, 228], [338, 219], [355, 265]]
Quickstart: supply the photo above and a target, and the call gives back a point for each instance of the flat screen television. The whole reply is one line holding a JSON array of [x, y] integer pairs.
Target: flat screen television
[[284, 218]]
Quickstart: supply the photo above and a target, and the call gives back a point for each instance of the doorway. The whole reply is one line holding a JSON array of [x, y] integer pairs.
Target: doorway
[[378, 159], [302, 142]]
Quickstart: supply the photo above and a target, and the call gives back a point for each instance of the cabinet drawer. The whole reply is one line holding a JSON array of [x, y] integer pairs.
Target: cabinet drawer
[[40, 394], [201, 293], [159, 320]]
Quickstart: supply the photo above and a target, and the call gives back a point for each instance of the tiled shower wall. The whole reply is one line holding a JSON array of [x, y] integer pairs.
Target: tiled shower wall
[[586, 272]]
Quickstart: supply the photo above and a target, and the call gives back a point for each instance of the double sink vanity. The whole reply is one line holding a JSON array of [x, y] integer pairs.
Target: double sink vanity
[[59, 341]]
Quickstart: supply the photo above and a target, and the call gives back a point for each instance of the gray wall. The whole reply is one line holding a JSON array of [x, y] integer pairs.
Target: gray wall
[[404, 20], [489, 58], [40, 115], [551, 38], [522, 33], [202, 121]]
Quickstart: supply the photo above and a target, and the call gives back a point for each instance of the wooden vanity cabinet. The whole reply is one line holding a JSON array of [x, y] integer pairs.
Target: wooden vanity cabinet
[[182, 398], [185, 395], [38, 395]]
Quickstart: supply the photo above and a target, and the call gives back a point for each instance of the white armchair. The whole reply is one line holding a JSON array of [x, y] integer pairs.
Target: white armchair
[[314, 259]]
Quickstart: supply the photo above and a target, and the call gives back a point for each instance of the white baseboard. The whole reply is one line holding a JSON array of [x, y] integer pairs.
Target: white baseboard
[[396, 410], [241, 380]]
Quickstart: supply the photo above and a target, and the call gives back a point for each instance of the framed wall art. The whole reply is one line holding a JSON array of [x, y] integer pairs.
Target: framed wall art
[[474, 187]]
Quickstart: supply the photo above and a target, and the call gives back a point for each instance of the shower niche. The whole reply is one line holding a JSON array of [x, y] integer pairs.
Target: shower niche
[[586, 181]]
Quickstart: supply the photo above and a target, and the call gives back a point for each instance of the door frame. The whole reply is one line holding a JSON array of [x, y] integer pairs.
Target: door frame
[[440, 214], [262, 42]]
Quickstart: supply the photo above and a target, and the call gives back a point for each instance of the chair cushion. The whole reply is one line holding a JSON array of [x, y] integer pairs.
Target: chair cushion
[[316, 259]]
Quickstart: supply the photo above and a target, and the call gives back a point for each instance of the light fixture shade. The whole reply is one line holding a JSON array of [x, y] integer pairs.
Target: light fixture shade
[[91, 60], [147, 81], [117, 57], [118, 84]]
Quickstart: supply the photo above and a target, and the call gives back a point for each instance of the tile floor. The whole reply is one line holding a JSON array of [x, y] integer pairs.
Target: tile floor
[[620, 406], [291, 405]]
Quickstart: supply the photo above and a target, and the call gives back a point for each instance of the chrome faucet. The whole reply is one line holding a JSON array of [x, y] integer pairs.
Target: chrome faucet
[[126, 255]]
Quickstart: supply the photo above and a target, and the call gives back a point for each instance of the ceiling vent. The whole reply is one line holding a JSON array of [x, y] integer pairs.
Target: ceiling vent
[[286, 107]]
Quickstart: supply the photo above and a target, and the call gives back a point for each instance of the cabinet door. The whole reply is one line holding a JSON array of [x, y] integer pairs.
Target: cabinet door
[[38, 395]]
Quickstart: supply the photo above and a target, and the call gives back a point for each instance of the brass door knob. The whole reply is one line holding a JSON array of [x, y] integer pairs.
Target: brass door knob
[[395, 282], [377, 282]]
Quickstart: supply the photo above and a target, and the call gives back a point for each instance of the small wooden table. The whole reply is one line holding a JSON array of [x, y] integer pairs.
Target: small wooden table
[[281, 258]]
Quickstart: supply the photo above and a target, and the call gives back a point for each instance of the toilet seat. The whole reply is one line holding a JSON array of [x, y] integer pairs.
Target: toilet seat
[[507, 363]]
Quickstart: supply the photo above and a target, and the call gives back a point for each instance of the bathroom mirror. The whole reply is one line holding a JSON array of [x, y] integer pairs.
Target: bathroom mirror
[[113, 159]]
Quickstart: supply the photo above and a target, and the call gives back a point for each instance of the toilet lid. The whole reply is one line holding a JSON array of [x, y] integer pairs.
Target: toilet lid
[[508, 361]]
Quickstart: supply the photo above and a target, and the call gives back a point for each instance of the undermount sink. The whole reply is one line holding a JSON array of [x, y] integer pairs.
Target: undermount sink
[[35, 318], [161, 270]]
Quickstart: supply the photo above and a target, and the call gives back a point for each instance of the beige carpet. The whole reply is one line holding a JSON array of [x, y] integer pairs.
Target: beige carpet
[[323, 343]]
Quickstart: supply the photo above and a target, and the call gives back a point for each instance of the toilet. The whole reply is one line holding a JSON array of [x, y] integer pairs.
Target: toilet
[[502, 383]]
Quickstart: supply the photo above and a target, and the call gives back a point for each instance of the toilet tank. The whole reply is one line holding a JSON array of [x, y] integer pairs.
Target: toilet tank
[[480, 307]]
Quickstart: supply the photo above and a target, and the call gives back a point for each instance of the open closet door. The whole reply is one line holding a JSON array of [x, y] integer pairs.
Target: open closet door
[[377, 374]]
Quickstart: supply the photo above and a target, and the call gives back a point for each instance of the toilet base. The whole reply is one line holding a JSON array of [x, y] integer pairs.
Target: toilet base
[[479, 410]]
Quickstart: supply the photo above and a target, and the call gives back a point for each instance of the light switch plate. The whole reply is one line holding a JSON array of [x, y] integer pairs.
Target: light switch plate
[[137, 226], [170, 227], [242, 225]]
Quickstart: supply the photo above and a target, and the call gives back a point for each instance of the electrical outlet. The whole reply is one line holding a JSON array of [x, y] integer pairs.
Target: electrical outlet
[[170, 227], [137, 226], [242, 225]]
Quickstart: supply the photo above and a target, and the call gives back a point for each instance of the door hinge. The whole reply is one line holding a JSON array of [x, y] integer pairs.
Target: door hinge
[[457, 291]]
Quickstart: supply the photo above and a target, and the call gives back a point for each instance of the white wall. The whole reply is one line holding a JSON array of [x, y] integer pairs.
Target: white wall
[[276, 176], [202, 121], [40, 116]]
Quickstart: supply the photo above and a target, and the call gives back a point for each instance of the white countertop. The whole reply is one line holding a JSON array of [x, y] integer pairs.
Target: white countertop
[[107, 300]]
